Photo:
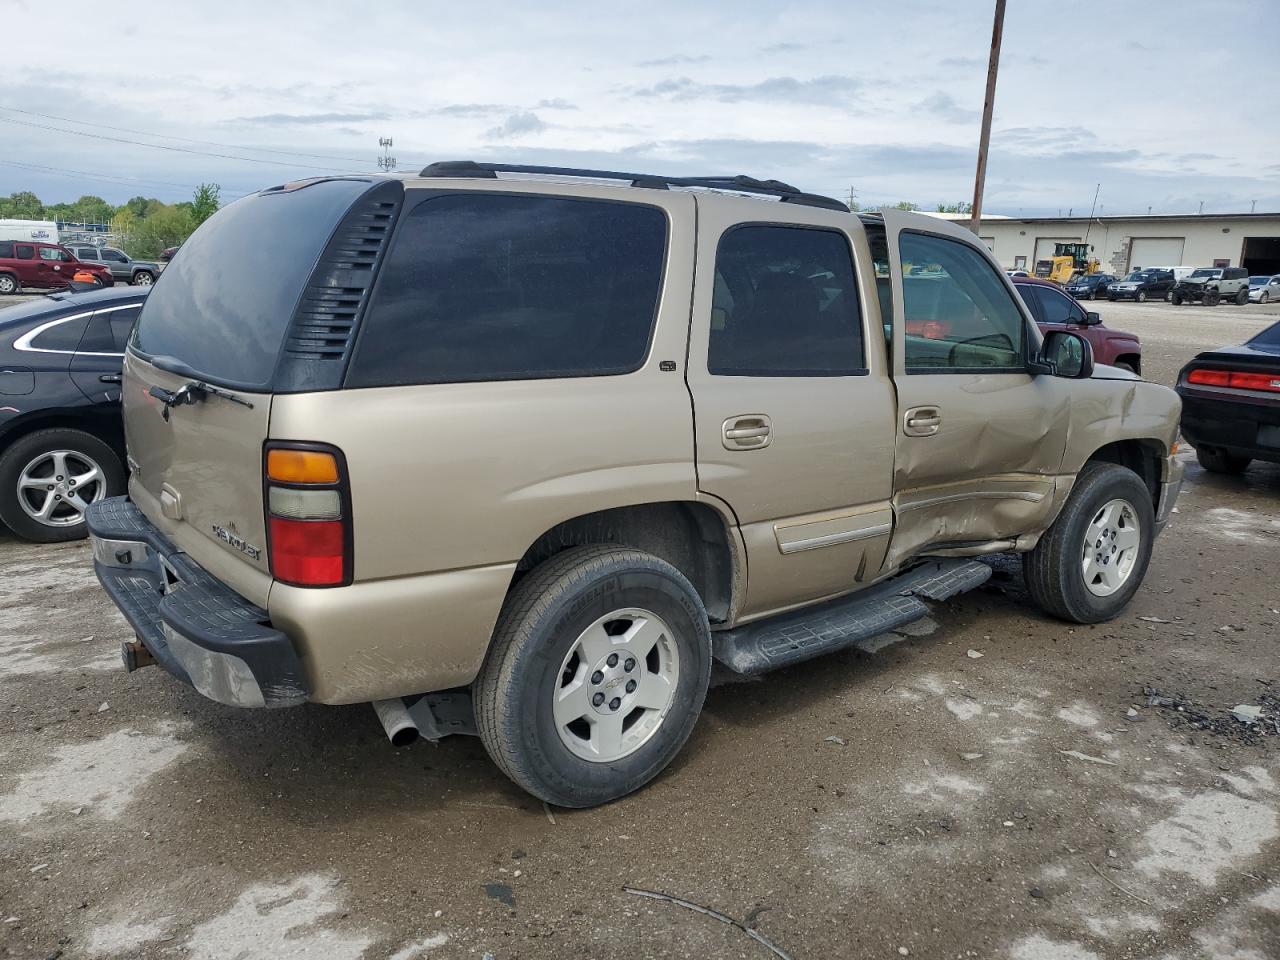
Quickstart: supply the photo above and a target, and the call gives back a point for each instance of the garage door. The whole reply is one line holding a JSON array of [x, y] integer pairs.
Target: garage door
[[1044, 246], [1155, 252]]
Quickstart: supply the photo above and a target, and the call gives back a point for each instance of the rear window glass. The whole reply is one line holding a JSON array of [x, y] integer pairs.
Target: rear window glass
[[513, 287], [223, 307], [1269, 337]]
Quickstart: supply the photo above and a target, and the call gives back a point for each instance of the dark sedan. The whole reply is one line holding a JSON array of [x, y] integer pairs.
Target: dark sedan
[[1091, 286], [1231, 403], [61, 439], [1142, 285]]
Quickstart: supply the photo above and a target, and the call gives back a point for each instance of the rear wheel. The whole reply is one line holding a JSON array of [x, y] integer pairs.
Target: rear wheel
[[1219, 461], [49, 478], [8, 283], [1089, 564], [596, 675]]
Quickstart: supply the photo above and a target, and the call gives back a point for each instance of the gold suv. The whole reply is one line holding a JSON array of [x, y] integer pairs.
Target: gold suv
[[520, 451]]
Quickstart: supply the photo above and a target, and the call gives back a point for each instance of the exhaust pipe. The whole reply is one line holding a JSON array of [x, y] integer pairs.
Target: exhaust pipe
[[396, 721]]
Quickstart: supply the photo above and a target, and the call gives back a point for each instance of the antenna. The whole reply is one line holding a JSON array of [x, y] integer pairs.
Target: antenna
[[386, 162], [1201, 206]]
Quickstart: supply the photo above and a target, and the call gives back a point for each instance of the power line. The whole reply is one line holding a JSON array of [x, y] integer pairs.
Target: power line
[[162, 146], [165, 136], [105, 177]]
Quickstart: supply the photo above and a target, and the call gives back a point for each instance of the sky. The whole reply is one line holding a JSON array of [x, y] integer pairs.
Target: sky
[[1151, 100]]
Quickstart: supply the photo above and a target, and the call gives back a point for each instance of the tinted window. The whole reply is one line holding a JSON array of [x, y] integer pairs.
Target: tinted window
[[1056, 307], [85, 253], [109, 331], [958, 312], [6, 248], [25, 251], [63, 336], [122, 322], [510, 287], [1269, 337], [53, 253], [785, 305], [115, 255], [232, 331]]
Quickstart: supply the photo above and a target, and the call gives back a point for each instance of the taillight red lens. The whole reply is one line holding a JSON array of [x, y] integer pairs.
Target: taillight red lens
[[1236, 379], [308, 553]]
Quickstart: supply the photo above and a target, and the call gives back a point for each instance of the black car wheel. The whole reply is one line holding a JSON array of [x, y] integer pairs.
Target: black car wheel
[[9, 284], [1219, 461], [1242, 296], [1141, 297], [1212, 298], [1266, 296], [1111, 297], [49, 478], [1093, 294], [1175, 298]]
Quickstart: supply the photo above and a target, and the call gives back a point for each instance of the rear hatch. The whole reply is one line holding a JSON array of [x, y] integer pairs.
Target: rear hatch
[[262, 299]]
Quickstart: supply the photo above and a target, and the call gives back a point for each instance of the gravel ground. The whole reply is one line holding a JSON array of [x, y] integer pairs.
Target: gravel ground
[[1045, 801]]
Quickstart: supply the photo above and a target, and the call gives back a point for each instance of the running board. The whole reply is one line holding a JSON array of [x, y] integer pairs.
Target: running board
[[803, 634]]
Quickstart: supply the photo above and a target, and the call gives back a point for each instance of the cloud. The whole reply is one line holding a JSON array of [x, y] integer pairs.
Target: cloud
[[309, 119], [470, 109], [675, 60], [962, 62], [557, 103], [830, 90], [518, 124], [784, 47], [944, 106]]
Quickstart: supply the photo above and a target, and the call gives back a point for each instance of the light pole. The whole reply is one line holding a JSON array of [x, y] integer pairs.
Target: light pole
[[988, 107]]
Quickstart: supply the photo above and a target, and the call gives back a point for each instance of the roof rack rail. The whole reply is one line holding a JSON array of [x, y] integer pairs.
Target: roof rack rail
[[774, 189]]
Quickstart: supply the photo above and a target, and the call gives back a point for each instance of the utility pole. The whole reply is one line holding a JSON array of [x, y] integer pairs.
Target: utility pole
[[386, 162], [850, 203], [988, 108]]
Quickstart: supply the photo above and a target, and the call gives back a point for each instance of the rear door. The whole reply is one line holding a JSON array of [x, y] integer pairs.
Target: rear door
[[95, 368], [979, 441], [793, 404]]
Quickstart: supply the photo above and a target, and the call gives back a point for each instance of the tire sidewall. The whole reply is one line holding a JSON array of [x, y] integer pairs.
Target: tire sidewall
[[567, 779], [1097, 488], [24, 450]]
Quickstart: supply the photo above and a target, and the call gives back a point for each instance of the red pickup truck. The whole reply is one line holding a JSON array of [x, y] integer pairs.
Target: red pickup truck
[[47, 266]]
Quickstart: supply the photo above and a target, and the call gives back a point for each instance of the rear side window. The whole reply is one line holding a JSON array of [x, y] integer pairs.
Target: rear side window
[[1269, 337], [513, 287], [6, 248], [24, 251], [785, 305], [959, 315], [109, 330], [62, 337]]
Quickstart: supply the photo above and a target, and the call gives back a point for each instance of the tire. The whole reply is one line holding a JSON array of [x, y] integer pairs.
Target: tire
[[29, 457], [1212, 298], [540, 649], [1125, 365], [1093, 294], [1141, 297], [1242, 296], [143, 278], [1111, 298], [1219, 461], [1055, 571], [1266, 296], [9, 284], [1168, 296], [1176, 299]]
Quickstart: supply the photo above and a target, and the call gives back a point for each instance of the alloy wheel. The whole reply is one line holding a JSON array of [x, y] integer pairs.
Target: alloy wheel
[[56, 488], [1112, 543]]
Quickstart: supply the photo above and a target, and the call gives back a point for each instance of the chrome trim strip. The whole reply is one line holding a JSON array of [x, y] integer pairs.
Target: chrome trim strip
[[976, 495], [848, 536]]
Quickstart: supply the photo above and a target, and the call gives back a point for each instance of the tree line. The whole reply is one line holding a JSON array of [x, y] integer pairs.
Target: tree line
[[144, 225]]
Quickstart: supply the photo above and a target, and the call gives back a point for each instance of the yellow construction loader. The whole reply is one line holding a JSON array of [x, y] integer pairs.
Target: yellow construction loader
[[1070, 260]]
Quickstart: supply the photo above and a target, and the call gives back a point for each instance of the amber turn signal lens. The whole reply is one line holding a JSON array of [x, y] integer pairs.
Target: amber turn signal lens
[[302, 466]]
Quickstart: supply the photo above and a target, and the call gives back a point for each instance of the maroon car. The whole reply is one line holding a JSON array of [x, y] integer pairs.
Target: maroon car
[[48, 266], [1055, 309]]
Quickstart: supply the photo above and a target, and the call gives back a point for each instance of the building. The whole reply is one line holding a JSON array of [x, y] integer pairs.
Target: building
[[1250, 240]]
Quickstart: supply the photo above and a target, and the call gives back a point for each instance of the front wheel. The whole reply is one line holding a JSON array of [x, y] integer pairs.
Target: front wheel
[[1211, 298], [1093, 294], [49, 478], [1219, 461], [596, 675], [1142, 296], [8, 284], [1089, 564], [1266, 295], [143, 278], [1242, 297], [1175, 299]]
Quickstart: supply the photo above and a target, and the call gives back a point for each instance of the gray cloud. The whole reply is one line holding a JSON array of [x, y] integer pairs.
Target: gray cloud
[[518, 124], [785, 47], [470, 109], [675, 60], [309, 119], [944, 106], [962, 62], [827, 90], [556, 103]]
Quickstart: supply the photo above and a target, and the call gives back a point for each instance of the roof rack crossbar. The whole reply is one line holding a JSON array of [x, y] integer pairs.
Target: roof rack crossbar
[[739, 184]]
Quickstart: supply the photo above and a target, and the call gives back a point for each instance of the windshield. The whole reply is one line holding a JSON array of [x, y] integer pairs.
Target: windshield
[[1258, 281], [1206, 273], [1136, 276]]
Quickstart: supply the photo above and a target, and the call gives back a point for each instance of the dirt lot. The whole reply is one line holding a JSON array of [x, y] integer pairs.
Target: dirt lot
[[903, 799]]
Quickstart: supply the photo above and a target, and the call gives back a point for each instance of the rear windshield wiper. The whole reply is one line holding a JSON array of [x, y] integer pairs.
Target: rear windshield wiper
[[190, 393]]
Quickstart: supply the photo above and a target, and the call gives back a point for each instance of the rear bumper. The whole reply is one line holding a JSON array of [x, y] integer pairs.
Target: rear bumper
[[196, 627], [1249, 429]]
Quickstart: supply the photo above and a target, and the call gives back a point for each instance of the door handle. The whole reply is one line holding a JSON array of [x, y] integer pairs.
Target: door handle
[[109, 378], [921, 421], [748, 432]]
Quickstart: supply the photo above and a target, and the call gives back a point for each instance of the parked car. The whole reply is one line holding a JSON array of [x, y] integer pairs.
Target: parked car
[[61, 438], [1264, 289], [1231, 403], [1212, 285], [1054, 309], [1016, 273], [1141, 285], [167, 253], [608, 489], [140, 273], [1090, 286], [45, 266]]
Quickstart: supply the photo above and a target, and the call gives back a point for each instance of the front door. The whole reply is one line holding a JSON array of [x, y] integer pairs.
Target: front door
[[979, 439], [793, 404]]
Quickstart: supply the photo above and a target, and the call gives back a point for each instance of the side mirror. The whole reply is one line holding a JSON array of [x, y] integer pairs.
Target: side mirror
[[1092, 318], [1065, 354]]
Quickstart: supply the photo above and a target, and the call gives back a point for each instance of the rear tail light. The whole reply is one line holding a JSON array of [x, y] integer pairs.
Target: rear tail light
[[308, 514], [1236, 379]]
